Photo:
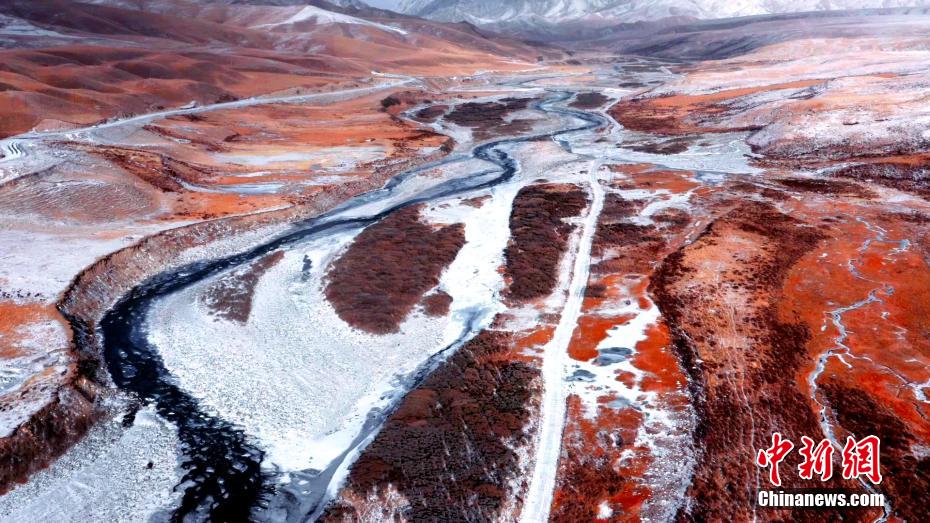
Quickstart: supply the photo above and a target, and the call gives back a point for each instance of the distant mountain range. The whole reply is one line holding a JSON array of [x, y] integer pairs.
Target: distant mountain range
[[543, 13]]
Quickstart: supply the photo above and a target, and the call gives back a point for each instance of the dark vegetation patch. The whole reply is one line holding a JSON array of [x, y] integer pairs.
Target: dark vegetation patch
[[487, 119], [390, 101], [230, 297], [448, 449], [654, 115], [672, 146], [617, 207], [672, 218], [774, 194], [589, 101], [644, 116], [388, 268], [902, 176], [623, 234], [539, 237], [915, 217], [437, 304], [615, 230], [595, 290], [917, 225], [826, 187], [906, 476], [432, 113], [400, 101], [744, 187]]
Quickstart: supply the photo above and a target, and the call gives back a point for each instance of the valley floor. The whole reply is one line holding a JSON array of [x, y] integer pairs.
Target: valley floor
[[567, 293]]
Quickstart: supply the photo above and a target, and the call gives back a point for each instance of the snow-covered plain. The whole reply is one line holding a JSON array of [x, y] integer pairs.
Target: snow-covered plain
[[292, 374], [115, 474]]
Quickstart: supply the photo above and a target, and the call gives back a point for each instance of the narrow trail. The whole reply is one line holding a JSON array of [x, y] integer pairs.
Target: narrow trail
[[555, 358]]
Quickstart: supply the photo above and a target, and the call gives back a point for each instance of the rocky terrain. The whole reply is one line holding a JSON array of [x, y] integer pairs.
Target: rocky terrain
[[277, 262]]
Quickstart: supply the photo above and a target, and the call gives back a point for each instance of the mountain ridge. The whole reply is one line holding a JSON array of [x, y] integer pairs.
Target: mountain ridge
[[543, 13]]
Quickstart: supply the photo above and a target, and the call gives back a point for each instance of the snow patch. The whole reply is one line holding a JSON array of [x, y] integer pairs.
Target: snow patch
[[324, 17]]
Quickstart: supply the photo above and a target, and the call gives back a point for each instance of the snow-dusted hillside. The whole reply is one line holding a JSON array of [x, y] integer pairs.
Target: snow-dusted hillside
[[549, 12]]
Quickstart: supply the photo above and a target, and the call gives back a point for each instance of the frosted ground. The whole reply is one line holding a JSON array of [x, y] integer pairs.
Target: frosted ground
[[115, 474]]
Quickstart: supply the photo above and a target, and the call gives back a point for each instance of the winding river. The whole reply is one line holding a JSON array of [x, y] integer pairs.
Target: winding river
[[223, 475]]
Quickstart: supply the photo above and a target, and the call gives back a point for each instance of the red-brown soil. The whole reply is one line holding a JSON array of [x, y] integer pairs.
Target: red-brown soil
[[737, 326], [54, 406], [448, 449], [588, 474], [669, 146], [906, 476], [158, 170], [160, 181], [89, 63], [718, 294], [746, 276], [478, 477], [140, 57], [539, 238], [381, 277], [198, 161], [682, 114], [82, 85], [827, 269], [871, 388], [826, 187]]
